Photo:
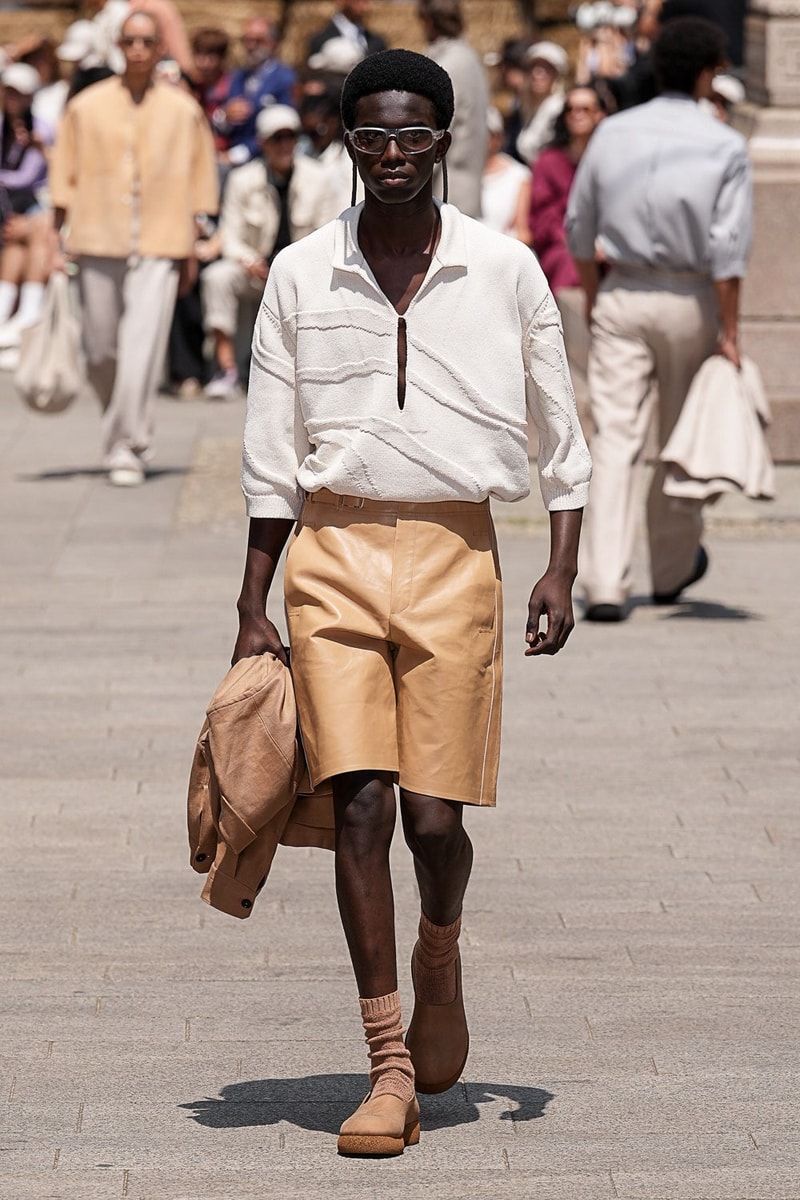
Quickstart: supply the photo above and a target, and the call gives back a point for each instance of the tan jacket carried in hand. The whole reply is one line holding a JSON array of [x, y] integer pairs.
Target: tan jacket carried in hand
[[248, 787]]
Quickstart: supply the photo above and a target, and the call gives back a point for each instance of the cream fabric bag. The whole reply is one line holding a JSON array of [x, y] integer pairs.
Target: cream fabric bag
[[49, 375]]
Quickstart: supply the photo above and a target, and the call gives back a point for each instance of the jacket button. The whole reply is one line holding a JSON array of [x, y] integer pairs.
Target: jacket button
[[247, 904], [200, 857]]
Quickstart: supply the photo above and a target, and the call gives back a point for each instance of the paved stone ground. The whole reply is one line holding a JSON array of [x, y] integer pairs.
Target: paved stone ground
[[631, 947]]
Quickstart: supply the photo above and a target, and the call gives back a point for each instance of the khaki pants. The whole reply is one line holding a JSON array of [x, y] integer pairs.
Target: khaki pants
[[646, 328], [127, 313]]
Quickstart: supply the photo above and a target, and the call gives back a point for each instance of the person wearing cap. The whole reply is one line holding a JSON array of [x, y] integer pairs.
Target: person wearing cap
[[665, 194], [133, 168], [82, 54], [264, 79], [26, 238], [398, 355], [269, 203], [548, 65], [348, 21], [443, 25]]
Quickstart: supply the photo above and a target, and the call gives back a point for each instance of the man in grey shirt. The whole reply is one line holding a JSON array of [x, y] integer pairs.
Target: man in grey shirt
[[663, 195]]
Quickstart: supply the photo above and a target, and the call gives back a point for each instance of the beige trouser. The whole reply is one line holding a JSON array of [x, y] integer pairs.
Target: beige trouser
[[127, 313], [645, 328], [223, 284]]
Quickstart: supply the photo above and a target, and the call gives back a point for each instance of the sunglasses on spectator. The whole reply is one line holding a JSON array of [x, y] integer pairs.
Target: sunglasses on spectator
[[586, 108], [283, 135], [131, 39], [411, 139]]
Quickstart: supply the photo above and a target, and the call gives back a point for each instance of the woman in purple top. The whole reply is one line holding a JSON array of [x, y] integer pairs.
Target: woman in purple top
[[553, 173], [27, 241]]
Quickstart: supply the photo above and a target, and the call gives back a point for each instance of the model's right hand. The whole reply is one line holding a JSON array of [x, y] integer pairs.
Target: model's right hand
[[257, 635]]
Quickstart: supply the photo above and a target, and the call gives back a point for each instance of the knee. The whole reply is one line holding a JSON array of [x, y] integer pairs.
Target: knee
[[364, 810], [433, 832]]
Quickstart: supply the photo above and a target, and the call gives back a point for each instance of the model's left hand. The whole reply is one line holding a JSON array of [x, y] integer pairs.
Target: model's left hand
[[550, 599]]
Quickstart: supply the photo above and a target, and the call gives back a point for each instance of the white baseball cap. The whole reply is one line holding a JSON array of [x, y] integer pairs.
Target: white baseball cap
[[22, 78], [274, 118], [338, 55], [549, 52], [80, 44]]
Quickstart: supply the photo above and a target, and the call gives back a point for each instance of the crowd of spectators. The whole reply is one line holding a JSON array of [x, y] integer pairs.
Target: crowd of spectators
[[282, 164]]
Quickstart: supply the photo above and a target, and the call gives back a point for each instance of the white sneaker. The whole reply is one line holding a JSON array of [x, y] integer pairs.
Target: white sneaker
[[126, 476], [11, 331], [224, 385]]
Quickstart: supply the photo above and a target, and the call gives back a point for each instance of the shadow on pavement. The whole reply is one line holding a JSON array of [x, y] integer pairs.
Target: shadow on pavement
[[322, 1102], [707, 610], [698, 610], [93, 472]]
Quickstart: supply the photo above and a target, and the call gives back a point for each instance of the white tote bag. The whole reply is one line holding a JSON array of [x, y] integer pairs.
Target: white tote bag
[[49, 375]]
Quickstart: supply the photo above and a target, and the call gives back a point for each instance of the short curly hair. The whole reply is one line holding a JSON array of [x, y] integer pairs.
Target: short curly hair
[[684, 49], [399, 71]]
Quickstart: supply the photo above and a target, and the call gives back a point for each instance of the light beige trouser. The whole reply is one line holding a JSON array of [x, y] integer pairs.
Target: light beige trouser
[[646, 327], [223, 284], [127, 313]]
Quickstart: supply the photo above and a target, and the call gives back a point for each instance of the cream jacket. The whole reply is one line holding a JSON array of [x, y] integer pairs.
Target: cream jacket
[[132, 176], [248, 786], [251, 209]]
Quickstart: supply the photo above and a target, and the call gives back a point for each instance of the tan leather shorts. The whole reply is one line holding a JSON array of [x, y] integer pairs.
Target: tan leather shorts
[[395, 626]]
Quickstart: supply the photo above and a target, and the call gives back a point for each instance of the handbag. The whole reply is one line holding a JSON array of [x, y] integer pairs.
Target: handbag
[[49, 375]]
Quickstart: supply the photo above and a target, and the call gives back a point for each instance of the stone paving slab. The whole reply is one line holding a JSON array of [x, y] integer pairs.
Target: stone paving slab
[[630, 939]]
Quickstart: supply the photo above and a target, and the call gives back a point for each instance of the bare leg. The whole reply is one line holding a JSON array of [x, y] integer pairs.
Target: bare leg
[[442, 852], [437, 1038], [42, 244], [365, 812], [224, 350]]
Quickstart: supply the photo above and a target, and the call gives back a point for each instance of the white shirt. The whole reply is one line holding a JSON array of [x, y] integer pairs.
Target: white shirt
[[662, 187], [484, 350], [500, 195]]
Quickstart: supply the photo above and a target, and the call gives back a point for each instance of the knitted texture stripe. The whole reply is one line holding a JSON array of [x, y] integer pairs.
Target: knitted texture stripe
[[390, 1072], [434, 961]]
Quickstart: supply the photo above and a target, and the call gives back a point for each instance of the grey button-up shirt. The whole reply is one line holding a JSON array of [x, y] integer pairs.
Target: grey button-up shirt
[[664, 186]]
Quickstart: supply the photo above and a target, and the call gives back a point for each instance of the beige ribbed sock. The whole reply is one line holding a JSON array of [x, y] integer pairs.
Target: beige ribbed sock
[[390, 1069], [434, 960]]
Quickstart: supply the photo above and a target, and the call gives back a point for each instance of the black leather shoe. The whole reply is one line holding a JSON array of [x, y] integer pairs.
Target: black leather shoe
[[604, 612], [700, 568]]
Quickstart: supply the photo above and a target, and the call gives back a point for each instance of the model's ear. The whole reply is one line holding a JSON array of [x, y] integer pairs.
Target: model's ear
[[443, 145], [348, 145]]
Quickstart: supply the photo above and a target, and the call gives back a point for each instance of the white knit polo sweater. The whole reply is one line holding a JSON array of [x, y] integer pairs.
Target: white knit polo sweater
[[482, 345]]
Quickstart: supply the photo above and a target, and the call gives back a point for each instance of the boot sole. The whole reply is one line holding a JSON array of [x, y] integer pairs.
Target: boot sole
[[433, 1089], [375, 1145]]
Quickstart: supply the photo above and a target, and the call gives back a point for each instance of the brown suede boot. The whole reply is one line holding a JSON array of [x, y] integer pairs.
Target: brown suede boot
[[437, 1038], [388, 1119]]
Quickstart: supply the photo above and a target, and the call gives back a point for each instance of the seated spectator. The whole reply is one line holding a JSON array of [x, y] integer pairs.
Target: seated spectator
[[27, 241], [321, 122], [607, 47], [48, 103], [80, 52], [512, 64], [212, 83], [270, 202], [348, 22], [263, 80], [506, 191], [553, 173], [544, 99]]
